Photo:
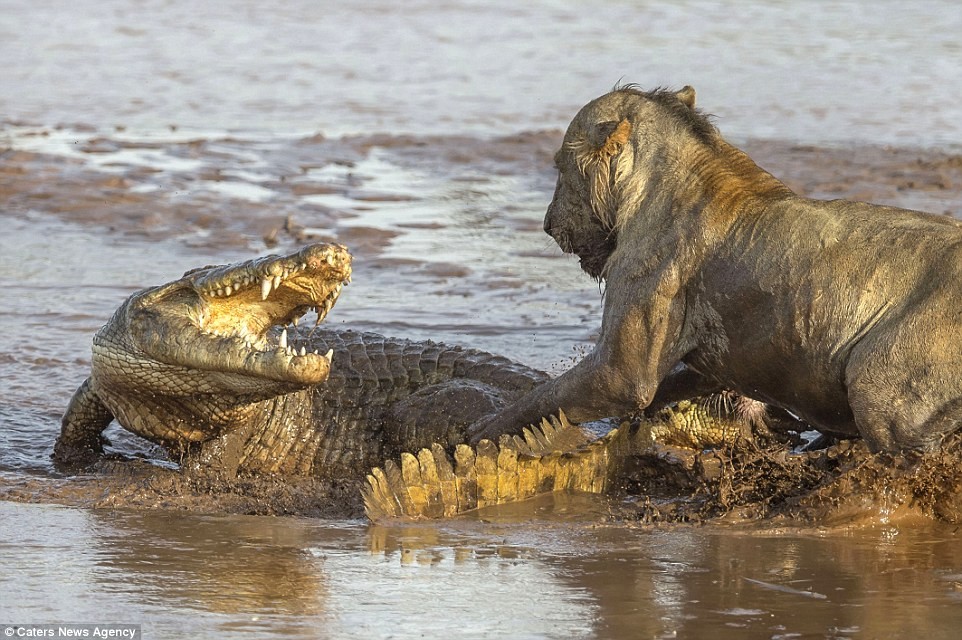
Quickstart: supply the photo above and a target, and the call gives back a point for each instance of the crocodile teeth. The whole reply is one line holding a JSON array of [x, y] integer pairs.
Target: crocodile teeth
[[329, 355], [283, 341], [228, 290], [303, 351], [265, 288], [276, 282]]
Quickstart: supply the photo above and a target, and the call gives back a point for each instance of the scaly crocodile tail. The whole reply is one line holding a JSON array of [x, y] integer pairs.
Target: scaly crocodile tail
[[555, 456]]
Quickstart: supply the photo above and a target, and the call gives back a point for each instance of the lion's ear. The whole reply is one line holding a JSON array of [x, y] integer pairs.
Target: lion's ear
[[617, 134], [687, 96], [598, 134]]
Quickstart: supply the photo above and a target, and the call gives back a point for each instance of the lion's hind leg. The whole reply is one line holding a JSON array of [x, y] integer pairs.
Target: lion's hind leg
[[905, 414], [943, 422]]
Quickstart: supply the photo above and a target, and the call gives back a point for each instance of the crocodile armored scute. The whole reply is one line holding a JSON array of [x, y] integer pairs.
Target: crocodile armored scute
[[431, 484]]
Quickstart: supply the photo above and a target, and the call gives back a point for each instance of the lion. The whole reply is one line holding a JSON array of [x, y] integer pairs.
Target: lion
[[718, 276]]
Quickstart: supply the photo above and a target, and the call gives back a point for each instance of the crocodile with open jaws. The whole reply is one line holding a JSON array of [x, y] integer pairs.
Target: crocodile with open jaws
[[214, 367]]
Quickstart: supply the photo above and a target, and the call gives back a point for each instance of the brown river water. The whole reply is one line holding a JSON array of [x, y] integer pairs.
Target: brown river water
[[140, 139]]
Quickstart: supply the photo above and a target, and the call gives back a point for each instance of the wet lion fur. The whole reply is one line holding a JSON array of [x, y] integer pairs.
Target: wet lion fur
[[717, 275]]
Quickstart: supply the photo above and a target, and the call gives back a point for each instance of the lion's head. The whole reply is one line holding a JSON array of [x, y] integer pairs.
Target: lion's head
[[596, 174]]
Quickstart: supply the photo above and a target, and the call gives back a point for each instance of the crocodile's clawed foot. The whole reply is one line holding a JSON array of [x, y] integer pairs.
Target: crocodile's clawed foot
[[77, 457]]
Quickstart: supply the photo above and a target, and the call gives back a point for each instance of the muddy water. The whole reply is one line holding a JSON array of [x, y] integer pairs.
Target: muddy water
[[541, 574], [142, 139]]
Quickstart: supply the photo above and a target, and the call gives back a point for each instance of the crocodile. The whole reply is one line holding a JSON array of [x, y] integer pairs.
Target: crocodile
[[215, 367], [557, 455]]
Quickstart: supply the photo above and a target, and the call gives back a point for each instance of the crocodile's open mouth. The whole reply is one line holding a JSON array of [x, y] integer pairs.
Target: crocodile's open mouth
[[248, 300], [236, 317]]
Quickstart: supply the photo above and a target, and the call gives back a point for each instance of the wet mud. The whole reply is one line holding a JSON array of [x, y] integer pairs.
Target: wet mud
[[841, 485], [132, 484], [768, 484], [212, 193]]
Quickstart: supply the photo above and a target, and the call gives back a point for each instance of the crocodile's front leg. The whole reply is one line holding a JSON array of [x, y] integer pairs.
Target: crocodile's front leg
[[80, 440]]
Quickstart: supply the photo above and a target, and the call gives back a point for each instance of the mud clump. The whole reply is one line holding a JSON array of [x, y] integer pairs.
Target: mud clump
[[843, 484], [247, 494]]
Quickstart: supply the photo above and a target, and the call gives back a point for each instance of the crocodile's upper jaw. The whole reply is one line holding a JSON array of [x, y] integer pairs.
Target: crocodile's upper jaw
[[232, 318]]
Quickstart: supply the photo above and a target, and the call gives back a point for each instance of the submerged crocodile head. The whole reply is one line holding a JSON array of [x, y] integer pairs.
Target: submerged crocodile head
[[215, 341]]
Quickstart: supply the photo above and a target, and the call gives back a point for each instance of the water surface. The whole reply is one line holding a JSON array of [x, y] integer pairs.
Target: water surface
[[546, 576]]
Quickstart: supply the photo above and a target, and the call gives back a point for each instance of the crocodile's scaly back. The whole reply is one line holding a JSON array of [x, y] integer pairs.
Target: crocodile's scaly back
[[383, 396], [391, 368]]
